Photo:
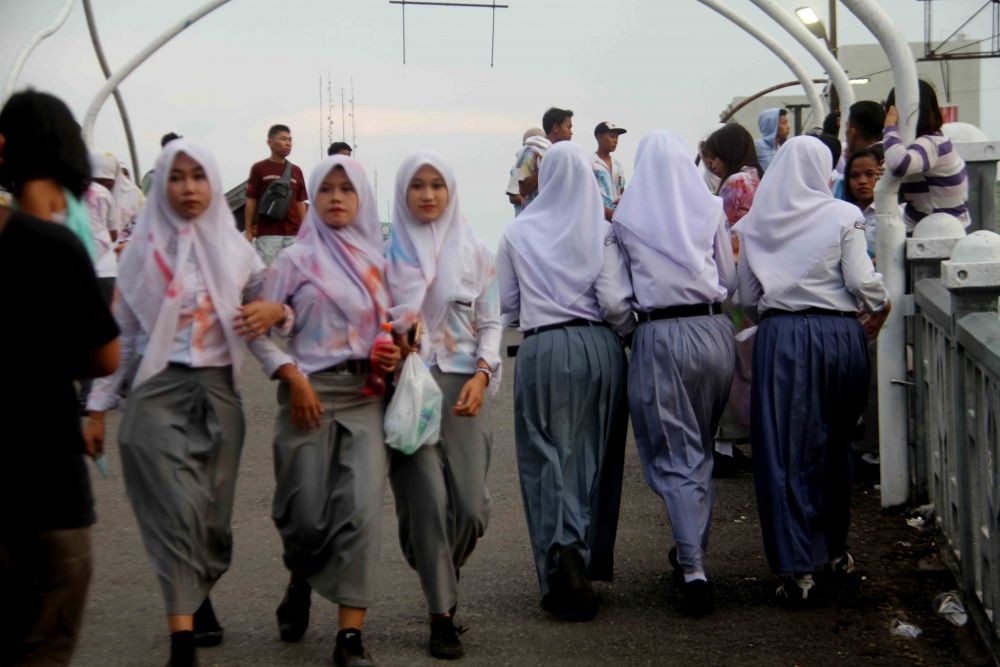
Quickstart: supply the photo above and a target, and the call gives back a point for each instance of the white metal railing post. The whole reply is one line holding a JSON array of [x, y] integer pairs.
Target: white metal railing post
[[29, 46], [838, 77], [112, 83], [815, 99], [892, 403]]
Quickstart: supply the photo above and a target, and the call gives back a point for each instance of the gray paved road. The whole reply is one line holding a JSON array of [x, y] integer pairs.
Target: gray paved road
[[638, 623]]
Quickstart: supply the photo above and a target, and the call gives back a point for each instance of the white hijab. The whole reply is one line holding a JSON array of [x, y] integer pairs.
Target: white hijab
[[431, 264], [794, 220], [345, 263], [128, 196], [560, 237], [149, 279], [667, 207]]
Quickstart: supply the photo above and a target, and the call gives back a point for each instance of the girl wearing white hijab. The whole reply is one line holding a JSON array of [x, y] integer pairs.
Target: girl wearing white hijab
[[805, 268], [559, 269], [183, 281], [330, 460], [129, 199], [441, 275], [673, 234]]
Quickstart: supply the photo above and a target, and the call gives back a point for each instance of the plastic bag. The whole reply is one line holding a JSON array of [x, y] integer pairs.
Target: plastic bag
[[413, 417]]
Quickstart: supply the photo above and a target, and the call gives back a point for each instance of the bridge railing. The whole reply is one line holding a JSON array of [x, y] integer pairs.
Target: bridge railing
[[955, 399]]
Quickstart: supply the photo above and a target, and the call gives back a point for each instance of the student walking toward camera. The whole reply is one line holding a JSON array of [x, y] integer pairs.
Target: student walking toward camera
[[677, 246], [183, 279], [441, 276], [330, 460], [276, 198], [558, 267]]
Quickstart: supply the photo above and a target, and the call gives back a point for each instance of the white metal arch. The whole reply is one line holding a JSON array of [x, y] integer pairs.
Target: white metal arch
[[786, 20], [815, 99]]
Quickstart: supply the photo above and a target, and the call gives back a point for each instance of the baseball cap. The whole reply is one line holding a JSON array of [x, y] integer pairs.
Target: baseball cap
[[605, 126]]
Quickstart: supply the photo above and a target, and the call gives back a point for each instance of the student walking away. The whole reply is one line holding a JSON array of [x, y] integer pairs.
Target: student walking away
[[803, 266], [773, 126], [608, 171], [330, 460], [129, 200], [539, 144], [104, 220], [561, 270], [182, 281], [731, 155], [676, 243], [46, 278], [934, 176], [276, 198], [441, 276], [147, 179], [558, 126]]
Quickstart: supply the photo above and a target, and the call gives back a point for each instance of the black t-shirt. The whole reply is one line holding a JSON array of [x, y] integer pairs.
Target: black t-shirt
[[53, 320]]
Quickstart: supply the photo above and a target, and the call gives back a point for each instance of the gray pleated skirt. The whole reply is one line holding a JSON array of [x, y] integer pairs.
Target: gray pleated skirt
[[181, 439], [329, 488], [442, 503], [679, 378], [569, 398]]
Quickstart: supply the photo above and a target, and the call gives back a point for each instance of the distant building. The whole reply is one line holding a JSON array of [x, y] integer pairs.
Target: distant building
[[869, 61]]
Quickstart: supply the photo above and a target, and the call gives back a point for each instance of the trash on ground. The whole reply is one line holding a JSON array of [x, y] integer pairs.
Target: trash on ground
[[900, 628], [949, 607]]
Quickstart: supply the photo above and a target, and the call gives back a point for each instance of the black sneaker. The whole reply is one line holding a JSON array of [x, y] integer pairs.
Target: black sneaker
[[293, 612], [207, 631], [697, 600], [572, 597], [678, 574], [182, 651], [350, 651], [444, 642], [796, 593]]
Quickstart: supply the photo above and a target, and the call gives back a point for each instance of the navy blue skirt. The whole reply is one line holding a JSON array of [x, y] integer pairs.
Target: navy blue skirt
[[810, 386]]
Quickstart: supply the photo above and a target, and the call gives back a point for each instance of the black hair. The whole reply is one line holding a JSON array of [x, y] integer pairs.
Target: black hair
[[732, 144], [338, 146], [831, 142], [831, 124], [867, 117], [43, 140], [275, 129], [168, 137], [929, 119], [874, 152], [782, 112], [553, 117]]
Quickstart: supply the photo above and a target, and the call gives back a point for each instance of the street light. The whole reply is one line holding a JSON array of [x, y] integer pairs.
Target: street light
[[811, 20]]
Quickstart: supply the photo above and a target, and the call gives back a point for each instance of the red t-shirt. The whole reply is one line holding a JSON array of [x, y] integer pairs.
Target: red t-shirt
[[261, 175]]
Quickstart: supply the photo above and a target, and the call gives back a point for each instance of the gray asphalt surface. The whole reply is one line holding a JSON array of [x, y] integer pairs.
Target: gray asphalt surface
[[638, 622]]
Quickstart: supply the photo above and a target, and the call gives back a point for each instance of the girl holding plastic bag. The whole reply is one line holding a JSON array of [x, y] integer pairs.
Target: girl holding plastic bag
[[442, 277], [330, 461]]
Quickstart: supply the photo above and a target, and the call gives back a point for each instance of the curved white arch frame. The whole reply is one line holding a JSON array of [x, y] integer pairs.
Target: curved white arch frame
[[818, 51], [892, 405], [29, 46], [95, 106], [815, 99]]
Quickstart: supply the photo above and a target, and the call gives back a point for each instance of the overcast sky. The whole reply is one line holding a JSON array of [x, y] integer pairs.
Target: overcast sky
[[641, 64]]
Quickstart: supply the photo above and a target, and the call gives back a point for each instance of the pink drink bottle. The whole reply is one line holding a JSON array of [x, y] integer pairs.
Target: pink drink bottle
[[375, 385]]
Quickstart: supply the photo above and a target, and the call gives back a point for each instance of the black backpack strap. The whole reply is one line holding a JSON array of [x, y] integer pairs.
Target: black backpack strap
[[286, 176]]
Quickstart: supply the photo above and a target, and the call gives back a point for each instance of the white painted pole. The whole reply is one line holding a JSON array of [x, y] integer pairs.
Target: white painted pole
[[794, 27], [892, 404], [815, 99], [22, 57], [112, 83]]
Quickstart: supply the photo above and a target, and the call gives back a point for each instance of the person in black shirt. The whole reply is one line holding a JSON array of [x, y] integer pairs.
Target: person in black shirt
[[57, 330]]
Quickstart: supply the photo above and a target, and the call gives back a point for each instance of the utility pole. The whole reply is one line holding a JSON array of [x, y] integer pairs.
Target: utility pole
[[797, 116]]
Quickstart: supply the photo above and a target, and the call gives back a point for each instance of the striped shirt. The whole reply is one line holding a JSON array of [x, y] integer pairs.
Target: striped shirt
[[934, 177]]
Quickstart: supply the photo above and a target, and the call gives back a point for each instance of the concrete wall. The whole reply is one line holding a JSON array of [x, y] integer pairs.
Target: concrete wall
[[864, 60]]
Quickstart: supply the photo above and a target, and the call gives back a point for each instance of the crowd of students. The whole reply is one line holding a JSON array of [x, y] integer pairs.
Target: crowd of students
[[629, 319]]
